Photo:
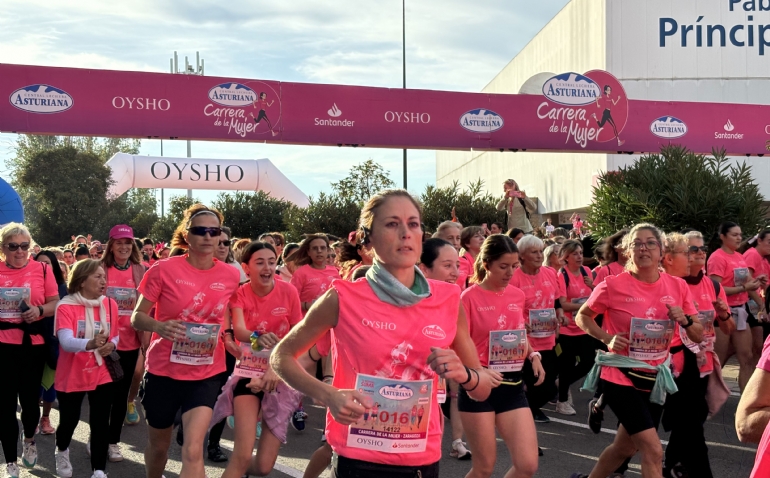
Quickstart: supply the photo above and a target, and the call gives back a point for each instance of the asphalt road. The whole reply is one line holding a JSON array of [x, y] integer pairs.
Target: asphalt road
[[568, 445]]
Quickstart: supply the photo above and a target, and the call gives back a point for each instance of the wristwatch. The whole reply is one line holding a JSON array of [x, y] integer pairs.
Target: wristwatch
[[40, 308], [689, 322]]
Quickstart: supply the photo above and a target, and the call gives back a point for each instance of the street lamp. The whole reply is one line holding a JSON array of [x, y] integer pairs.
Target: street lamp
[[188, 70], [403, 59]]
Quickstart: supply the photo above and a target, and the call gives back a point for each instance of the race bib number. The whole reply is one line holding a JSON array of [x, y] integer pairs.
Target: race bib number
[[542, 323], [398, 420], [694, 347], [10, 300], [706, 319], [252, 364], [507, 350], [754, 308], [741, 276], [650, 338], [125, 298], [198, 345], [441, 390], [81, 332]]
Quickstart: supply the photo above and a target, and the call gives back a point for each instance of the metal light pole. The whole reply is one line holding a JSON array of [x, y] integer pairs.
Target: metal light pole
[[403, 58], [188, 70]]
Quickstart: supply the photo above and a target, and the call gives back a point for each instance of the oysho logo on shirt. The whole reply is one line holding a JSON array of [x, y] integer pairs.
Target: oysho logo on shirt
[[217, 286], [634, 299], [376, 324], [280, 311], [434, 332], [667, 299], [486, 308], [185, 282]]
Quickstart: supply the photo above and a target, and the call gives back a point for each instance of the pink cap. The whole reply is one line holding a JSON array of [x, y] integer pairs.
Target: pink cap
[[121, 231]]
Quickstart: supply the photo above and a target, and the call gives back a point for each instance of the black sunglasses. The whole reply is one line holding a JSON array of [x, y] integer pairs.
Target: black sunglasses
[[695, 249], [202, 231], [225, 243], [13, 247]]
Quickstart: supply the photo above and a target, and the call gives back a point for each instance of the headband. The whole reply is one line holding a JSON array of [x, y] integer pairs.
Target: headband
[[205, 211]]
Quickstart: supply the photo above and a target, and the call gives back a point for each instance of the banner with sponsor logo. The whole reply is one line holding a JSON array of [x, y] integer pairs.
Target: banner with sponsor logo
[[576, 112]]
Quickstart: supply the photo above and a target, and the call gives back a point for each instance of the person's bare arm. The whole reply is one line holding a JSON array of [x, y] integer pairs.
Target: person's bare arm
[[753, 412]]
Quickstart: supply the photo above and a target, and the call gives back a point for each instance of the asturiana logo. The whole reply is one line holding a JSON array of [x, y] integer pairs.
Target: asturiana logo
[[654, 327], [41, 99], [509, 337], [232, 94], [279, 311], [571, 89], [217, 286], [396, 392], [199, 330], [481, 121], [668, 127], [434, 332]]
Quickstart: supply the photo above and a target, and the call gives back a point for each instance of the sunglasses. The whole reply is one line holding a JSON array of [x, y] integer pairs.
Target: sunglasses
[[13, 247], [225, 243], [696, 249], [202, 231], [96, 255]]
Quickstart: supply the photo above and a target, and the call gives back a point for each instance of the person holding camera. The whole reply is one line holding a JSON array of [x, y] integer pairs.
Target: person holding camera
[[518, 206]]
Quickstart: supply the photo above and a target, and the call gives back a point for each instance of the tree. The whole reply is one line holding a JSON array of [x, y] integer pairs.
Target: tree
[[136, 207], [251, 214], [677, 189], [164, 227], [363, 181], [329, 213], [471, 205]]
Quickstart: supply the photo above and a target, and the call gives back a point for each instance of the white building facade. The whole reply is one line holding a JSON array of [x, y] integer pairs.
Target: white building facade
[[683, 50]]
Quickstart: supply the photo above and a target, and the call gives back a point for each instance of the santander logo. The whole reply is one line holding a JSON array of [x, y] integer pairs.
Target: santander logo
[[434, 332], [334, 112]]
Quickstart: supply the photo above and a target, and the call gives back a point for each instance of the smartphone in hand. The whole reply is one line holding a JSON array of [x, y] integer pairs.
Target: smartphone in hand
[[23, 306]]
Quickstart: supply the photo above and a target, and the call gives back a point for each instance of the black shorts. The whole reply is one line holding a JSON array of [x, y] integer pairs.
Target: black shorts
[[349, 468], [242, 389], [633, 407], [164, 396], [503, 399]]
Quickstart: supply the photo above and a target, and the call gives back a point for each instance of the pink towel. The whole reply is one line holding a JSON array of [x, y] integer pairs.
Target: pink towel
[[717, 391]]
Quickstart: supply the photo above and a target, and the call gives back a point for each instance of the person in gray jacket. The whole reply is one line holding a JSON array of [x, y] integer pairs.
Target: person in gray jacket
[[518, 206]]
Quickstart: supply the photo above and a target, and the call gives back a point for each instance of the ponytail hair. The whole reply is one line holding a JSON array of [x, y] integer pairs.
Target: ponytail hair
[[494, 247]]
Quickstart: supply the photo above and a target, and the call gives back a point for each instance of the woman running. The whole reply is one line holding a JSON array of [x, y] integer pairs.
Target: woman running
[[452, 232], [727, 266], [577, 348], [471, 239], [264, 309], [612, 253], [439, 261], [29, 294], [392, 332], [756, 252], [123, 271], [605, 103], [287, 268], [692, 358], [641, 309], [495, 319], [541, 287], [263, 104], [186, 356], [313, 275], [87, 325]]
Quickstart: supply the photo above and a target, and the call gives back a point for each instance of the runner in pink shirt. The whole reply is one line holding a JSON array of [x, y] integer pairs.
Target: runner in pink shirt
[[123, 271], [86, 325], [727, 266], [313, 276], [756, 253], [495, 311], [752, 418], [393, 335], [451, 232], [641, 308], [186, 356], [471, 239], [266, 308], [616, 259], [544, 316], [576, 280]]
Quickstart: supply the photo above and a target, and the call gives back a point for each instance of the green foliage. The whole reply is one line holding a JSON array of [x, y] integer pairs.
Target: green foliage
[[137, 208], [363, 181], [472, 207], [677, 189], [164, 227], [252, 214], [329, 213]]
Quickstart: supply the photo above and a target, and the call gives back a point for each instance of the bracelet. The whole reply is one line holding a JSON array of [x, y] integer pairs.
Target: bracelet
[[725, 319], [310, 354], [478, 381], [231, 332], [254, 339], [328, 376], [468, 371], [535, 354], [688, 324]]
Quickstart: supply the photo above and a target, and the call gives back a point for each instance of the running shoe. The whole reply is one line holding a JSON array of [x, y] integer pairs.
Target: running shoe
[[298, 419], [114, 454], [12, 470], [595, 417], [216, 454], [63, 465], [459, 450], [578, 475], [99, 474], [540, 417], [29, 454], [45, 426], [565, 408], [132, 416], [231, 422]]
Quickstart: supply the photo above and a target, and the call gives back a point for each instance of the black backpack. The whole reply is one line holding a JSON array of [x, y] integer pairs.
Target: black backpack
[[566, 275]]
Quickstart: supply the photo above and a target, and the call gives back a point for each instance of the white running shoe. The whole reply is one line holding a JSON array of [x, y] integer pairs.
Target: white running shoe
[[63, 465], [29, 454], [565, 408], [114, 454], [569, 399], [459, 450], [99, 474], [12, 470]]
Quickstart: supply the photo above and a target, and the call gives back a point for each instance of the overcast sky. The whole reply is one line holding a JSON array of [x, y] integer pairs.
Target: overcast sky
[[450, 45]]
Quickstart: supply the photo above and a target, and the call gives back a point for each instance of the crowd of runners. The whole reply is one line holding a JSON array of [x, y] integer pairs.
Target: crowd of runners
[[397, 330]]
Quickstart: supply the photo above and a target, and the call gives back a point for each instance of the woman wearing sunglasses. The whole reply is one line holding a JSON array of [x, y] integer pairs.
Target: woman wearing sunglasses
[[123, 269], [186, 356], [29, 293], [224, 252]]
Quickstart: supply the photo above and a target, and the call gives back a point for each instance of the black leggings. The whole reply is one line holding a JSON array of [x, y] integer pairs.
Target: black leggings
[[20, 375], [540, 395], [607, 118], [99, 403], [119, 406], [570, 370]]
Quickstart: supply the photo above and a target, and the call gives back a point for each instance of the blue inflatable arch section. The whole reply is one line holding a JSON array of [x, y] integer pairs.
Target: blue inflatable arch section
[[11, 208]]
